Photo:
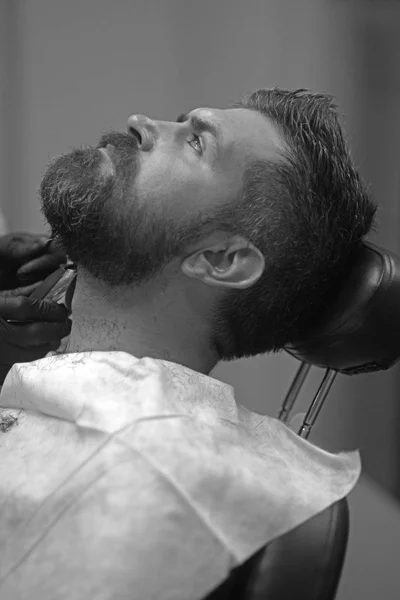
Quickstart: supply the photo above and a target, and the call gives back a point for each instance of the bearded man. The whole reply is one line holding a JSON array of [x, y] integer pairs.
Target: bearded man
[[226, 234]]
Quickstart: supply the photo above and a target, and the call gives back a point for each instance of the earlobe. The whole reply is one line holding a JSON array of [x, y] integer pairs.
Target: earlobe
[[239, 268]]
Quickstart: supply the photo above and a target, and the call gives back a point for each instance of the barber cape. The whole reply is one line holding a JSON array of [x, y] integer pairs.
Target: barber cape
[[141, 479]]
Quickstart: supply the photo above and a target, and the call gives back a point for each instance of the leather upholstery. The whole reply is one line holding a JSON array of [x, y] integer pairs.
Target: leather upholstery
[[304, 564], [361, 332]]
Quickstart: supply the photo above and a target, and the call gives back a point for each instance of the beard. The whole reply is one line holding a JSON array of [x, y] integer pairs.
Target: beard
[[98, 220]]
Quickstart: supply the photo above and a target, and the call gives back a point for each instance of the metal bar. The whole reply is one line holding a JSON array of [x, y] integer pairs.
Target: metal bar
[[293, 392], [317, 403]]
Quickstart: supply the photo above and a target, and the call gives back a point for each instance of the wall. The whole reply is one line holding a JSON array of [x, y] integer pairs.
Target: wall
[[4, 108]]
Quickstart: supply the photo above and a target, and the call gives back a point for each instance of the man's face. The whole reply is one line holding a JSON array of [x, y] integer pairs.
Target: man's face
[[127, 207]]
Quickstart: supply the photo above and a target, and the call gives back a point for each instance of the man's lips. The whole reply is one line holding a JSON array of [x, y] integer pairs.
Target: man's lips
[[107, 150], [108, 163], [122, 150]]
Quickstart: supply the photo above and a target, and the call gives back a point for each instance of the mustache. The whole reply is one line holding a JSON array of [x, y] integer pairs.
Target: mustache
[[81, 165], [122, 141]]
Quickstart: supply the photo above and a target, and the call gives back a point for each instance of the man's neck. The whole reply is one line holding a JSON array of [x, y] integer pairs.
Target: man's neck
[[150, 326]]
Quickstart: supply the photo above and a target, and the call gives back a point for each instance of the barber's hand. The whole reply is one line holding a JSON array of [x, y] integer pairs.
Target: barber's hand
[[29, 341], [27, 258]]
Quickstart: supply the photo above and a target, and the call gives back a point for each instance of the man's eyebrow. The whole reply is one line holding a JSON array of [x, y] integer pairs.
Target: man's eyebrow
[[201, 124]]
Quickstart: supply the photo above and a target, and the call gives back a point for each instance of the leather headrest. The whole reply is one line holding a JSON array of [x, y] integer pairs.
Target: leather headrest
[[361, 330]]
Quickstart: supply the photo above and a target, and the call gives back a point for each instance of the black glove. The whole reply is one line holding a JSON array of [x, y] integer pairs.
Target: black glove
[[45, 323], [26, 258]]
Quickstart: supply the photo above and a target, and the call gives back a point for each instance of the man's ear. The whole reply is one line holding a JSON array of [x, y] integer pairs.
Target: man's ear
[[232, 263]]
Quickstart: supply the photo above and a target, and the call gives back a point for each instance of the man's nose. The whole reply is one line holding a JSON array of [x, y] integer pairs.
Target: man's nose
[[145, 130]]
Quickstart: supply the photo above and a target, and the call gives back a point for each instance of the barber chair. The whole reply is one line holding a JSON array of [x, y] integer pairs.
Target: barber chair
[[361, 334]]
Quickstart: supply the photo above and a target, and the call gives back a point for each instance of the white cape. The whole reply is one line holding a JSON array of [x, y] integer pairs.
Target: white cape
[[143, 480]]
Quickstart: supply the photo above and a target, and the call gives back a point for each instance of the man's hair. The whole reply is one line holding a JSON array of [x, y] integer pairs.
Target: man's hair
[[307, 213]]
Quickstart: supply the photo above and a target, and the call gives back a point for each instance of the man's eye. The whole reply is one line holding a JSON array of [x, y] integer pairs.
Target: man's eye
[[195, 142]]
